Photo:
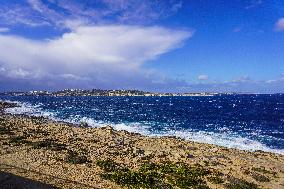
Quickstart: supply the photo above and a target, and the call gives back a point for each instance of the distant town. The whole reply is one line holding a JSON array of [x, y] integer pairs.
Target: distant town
[[100, 92]]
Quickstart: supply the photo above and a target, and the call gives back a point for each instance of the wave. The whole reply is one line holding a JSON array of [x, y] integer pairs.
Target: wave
[[224, 139], [28, 109]]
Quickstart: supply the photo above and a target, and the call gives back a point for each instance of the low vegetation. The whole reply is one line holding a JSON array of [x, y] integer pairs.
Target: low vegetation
[[5, 131], [215, 180], [76, 158], [235, 183], [19, 140], [259, 174], [152, 175], [49, 144], [262, 170], [259, 177]]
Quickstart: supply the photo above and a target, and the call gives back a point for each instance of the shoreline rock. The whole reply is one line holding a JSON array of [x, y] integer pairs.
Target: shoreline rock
[[68, 156]]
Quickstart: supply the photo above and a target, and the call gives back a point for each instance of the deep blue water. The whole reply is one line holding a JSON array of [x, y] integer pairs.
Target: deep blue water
[[251, 122]]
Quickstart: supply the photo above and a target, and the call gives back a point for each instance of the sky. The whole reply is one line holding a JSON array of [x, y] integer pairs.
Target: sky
[[150, 45]]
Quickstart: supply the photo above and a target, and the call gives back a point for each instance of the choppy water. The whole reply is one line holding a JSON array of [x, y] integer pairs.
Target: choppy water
[[250, 122]]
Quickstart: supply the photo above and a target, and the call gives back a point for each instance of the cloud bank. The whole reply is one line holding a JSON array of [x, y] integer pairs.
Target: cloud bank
[[243, 84], [90, 56]]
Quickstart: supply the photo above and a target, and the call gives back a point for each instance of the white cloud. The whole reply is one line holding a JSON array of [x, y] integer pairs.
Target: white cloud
[[2, 70], [242, 79], [16, 14], [97, 53], [202, 77], [278, 80], [19, 73], [279, 25], [73, 77], [3, 30], [243, 84], [61, 14]]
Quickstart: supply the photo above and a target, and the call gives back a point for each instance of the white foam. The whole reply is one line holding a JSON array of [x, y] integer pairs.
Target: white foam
[[220, 139], [28, 109], [223, 138], [133, 127]]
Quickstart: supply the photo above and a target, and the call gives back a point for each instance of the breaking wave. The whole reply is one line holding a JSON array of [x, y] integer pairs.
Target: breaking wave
[[225, 139]]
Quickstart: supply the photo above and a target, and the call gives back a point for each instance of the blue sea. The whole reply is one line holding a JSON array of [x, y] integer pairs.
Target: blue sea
[[248, 122]]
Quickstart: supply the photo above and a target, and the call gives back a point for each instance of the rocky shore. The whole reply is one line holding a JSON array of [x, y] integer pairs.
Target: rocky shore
[[77, 156]]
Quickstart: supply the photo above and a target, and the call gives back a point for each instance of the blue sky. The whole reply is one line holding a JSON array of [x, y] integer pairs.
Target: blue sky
[[168, 46]]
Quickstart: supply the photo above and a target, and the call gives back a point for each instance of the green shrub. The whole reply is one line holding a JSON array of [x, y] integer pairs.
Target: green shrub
[[135, 179], [5, 131], [262, 170], [236, 183], [151, 175], [215, 180], [76, 158], [49, 144], [260, 177], [19, 140], [108, 165]]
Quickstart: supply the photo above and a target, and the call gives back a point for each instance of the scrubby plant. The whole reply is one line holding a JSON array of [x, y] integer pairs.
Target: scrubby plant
[[235, 183], [259, 177], [135, 179], [18, 140], [49, 144], [206, 163], [215, 180], [108, 165], [152, 175], [5, 131], [38, 132], [76, 158], [262, 170]]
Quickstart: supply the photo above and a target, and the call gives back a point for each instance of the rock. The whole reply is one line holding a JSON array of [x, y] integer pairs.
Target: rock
[[84, 125], [138, 152], [84, 147], [161, 154], [124, 132], [120, 142], [214, 150], [192, 148], [190, 156], [108, 129], [148, 153], [177, 156], [8, 105]]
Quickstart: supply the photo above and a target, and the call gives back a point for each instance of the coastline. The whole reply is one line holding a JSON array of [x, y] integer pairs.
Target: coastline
[[74, 156]]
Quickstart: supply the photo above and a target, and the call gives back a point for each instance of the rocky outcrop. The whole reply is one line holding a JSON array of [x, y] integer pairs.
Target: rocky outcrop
[[67, 156]]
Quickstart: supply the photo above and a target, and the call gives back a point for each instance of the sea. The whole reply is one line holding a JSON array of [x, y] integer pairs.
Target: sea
[[247, 122]]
